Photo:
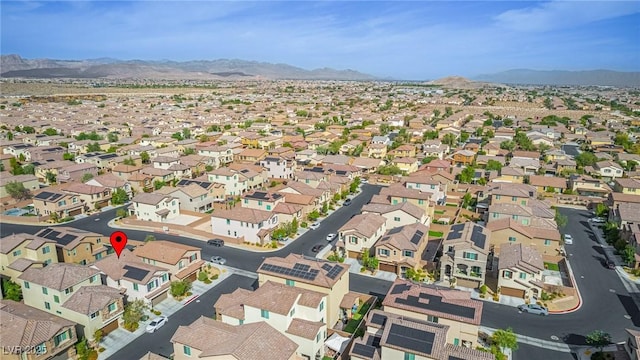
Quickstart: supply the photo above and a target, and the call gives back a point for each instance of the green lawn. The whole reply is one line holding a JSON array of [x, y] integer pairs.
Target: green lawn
[[355, 320], [439, 212], [551, 266], [435, 233]]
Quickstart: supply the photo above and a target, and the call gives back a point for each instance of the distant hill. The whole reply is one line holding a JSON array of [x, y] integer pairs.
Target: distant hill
[[558, 77], [458, 82], [16, 66]]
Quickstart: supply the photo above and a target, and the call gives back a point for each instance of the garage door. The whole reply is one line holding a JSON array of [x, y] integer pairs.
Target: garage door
[[512, 292], [192, 277], [75, 212], [159, 298], [468, 283], [354, 254], [110, 327], [388, 267]]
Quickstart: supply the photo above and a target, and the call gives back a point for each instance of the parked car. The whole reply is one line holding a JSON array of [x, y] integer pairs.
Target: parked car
[[156, 324], [331, 236], [347, 202], [317, 248], [598, 220], [216, 242], [218, 260], [533, 309], [315, 225], [568, 239], [364, 181], [609, 264]]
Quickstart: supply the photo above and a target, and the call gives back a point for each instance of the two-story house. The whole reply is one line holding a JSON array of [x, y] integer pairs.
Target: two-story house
[[209, 339], [463, 157], [29, 182], [440, 305], [520, 270], [154, 207], [58, 204], [19, 252], [299, 314], [73, 292], [278, 168], [94, 197], [31, 334], [111, 182], [465, 252], [360, 234], [401, 248], [77, 246], [262, 200], [234, 184], [75, 172], [182, 261], [608, 170], [541, 234], [585, 185], [191, 197], [321, 276], [246, 224], [136, 279], [401, 214], [627, 186]]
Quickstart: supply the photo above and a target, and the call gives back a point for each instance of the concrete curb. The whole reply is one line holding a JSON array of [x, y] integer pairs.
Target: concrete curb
[[575, 285]]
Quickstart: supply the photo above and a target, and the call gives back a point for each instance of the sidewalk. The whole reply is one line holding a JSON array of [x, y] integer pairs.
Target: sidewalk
[[120, 337], [354, 267]]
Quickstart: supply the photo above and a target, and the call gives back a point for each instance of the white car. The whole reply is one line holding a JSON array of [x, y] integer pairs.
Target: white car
[[218, 260], [568, 239], [331, 236], [156, 324], [314, 226], [598, 220]]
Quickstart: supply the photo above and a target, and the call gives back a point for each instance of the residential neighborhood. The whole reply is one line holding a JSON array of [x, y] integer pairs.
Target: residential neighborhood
[[381, 220]]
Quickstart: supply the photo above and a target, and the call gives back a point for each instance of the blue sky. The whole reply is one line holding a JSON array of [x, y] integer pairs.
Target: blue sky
[[399, 39]]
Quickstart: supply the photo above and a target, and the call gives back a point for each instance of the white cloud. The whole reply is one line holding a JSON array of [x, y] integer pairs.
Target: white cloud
[[564, 14]]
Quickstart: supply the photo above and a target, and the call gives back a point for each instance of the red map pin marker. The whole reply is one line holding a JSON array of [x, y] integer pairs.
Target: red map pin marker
[[118, 241]]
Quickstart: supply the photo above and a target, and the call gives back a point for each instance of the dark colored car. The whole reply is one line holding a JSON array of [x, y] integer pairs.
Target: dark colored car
[[316, 248], [216, 242], [609, 264]]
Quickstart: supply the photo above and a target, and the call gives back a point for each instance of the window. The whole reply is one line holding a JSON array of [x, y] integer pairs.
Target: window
[[56, 299], [259, 202], [228, 222], [523, 275], [494, 215], [291, 283], [525, 221], [353, 240], [497, 197], [93, 279], [47, 305], [456, 342], [409, 356], [45, 291], [68, 290], [292, 312], [46, 250], [60, 338], [112, 307], [135, 287], [420, 202], [17, 253], [547, 242], [433, 319], [383, 252], [318, 337], [396, 218], [186, 350], [246, 201], [26, 284], [407, 253], [507, 274], [514, 199], [471, 256], [165, 277], [94, 315], [264, 313], [514, 217], [268, 207], [321, 305], [241, 322], [523, 202], [512, 238]]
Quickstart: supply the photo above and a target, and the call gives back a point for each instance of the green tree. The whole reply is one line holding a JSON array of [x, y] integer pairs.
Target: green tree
[[186, 133], [602, 210], [119, 197], [507, 145], [129, 161], [68, 156], [17, 191], [158, 184], [560, 219], [598, 339], [464, 136], [82, 349], [389, 170], [586, 158], [494, 165], [449, 139], [93, 147], [144, 157], [177, 136], [50, 132], [50, 177], [180, 288], [467, 174], [11, 290], [112, 137], [628, 254], [86, 177], [133, 313], [428, 159], [29, 169], [9, 136], [467, 200], [121, 213], [505, 339], [189, 151], [149, 238], [415, 275]]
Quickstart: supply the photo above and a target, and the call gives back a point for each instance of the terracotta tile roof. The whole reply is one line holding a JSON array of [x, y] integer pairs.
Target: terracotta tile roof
[[463, 353], [233, 304], [22, 264], [289, 209], [321, 279], [114, 267], [89, 299], [150, 198], [163, 251], [522, 257], [152, 356], [298, 199], [26, 326], [402, 289], [532, 231], [401, 237], [439, 331], [72, 236], [109, 180], [8, 243], [253, 216], [58, 276], [193, 267], [365, 224], [79, 188], [406, 207], [246, 342], [304, 328], [280, 298]]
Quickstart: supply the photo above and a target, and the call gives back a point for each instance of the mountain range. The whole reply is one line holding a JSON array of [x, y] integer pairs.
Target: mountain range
[[14, 66]]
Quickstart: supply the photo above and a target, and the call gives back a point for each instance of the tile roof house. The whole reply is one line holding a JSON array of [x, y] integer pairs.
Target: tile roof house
[[297, 313], [627, 186], [74, 292], [210, 339], [192, 197], [154, 207], [404, 213], [182, 261], [520, 270], [444, 306], [361, 232], [25, 327], [19, 252], [329, 278], [465, 253], [545, 239], [75, 245], [401, 248], [245, 224], [58, 204]]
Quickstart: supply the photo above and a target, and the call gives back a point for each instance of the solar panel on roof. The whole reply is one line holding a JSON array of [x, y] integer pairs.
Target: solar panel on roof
[[451, 357], [45, 232], [415, 239], [410, 338], [378, 319], [394, 230], [183, 182], [135, 273], [400, 288], [66, 239], [327, 267], [456, 232], [55, 197], [435, 303], [295, 272], [363, 350], [303, 267], [477, 237], [44, 195], [53, 235]]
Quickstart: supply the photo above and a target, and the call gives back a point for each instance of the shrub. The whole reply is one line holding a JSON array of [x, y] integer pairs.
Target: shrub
[[180, 288], [156, 312], [483, 289], [215, 277], [304, 225], [202, 276]]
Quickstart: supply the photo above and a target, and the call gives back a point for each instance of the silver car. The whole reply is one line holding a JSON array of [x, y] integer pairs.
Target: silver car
[[533, 309], [218, 260], [156, 324]]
